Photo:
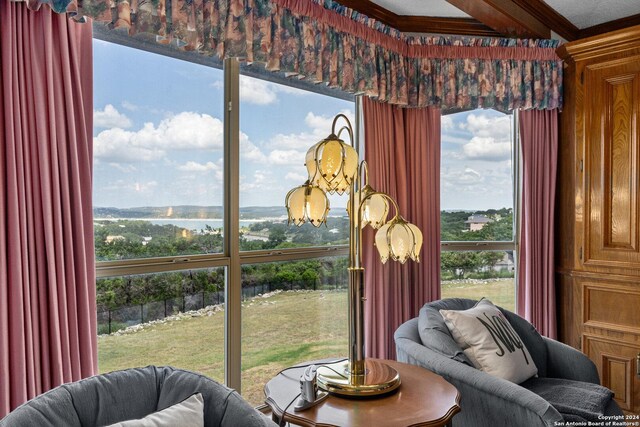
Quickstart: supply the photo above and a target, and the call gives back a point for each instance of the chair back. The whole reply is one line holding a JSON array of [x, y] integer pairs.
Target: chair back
[[430, 318]]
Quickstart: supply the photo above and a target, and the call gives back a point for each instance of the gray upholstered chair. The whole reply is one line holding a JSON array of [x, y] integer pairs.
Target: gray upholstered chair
[[130, 394], [487, 400]]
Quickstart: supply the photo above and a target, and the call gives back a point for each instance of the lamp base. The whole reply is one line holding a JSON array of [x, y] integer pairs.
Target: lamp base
[[379, 378]]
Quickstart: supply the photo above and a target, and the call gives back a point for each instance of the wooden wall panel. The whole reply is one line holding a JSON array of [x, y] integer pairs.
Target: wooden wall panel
[[598, 218], [620, 158], [616, 364], [602, 299], [612, 161]]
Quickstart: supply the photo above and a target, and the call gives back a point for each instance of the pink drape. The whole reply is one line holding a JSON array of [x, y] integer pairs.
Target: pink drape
[[402, 149], [536, 288], [47, 272]]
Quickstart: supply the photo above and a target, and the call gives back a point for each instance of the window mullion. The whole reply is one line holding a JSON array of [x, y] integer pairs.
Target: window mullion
[[233, 299]]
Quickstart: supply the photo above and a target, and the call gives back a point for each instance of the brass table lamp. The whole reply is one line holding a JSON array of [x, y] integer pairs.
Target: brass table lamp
[[334, 167]]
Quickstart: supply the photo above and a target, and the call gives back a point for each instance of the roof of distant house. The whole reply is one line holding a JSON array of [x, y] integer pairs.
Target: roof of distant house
[[477, 219]]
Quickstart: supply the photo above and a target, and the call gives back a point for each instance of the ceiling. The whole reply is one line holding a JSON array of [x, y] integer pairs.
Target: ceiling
[[567, 19]]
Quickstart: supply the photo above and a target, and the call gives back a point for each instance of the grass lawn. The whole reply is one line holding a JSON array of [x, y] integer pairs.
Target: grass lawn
[[501, 292], [277, 331]]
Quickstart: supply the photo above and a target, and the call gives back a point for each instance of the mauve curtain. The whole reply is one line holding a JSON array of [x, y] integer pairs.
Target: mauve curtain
[[536, 288], [402, 149], [47, 272]]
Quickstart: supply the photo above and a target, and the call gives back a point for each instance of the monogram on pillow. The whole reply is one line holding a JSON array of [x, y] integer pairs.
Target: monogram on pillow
[[505, 338]]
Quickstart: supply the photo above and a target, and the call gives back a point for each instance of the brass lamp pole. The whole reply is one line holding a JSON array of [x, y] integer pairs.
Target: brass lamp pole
[[333, 167]]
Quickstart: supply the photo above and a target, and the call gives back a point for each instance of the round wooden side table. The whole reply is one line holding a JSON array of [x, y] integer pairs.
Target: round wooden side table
[[423, 399]]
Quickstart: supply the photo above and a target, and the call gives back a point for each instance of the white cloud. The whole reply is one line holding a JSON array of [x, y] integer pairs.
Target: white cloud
[[110, 117], [121, 146], [261, 180], [491, 137], [319, 128], [255, 91], [458, 178], [184, 131], [286, 157], [296, 177], [487, 149], [446, 123], [124, 168], [485, 126], [129, 106], [192, 166], [261, 92], [249, 151]]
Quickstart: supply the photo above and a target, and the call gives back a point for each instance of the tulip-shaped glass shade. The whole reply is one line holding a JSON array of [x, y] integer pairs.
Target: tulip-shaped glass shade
[[307, 203], [375, 207], [399, 240], [332, 164]]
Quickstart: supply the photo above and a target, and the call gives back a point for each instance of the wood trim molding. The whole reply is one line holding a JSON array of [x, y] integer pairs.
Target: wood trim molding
[[421, 24], [504, 16], [523, 18], [615, 42], [545, 13], [373, 10], [630, 280], [438, 25], [606, 27]]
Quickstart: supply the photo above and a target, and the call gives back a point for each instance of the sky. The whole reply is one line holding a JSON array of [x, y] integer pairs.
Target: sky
[[158, 135]]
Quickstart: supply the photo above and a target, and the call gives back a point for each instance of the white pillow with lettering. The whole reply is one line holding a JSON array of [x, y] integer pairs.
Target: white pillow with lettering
[[188, 413], [490, 342]]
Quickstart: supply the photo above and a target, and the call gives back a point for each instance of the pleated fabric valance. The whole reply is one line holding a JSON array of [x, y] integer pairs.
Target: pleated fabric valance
[[324, 42]]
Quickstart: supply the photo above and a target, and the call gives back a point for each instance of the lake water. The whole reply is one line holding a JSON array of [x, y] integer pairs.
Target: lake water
[[193, 224]]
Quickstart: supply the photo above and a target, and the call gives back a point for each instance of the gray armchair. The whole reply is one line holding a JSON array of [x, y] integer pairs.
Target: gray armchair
[[131, 394], [487, 400]]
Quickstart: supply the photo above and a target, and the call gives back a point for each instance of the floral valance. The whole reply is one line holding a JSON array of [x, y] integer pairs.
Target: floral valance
[[324, 42]]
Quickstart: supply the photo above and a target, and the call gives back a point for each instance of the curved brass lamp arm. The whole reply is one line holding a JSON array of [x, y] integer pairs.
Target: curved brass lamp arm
[[386, 196], [348, 127], [349, 131], [364, 170]]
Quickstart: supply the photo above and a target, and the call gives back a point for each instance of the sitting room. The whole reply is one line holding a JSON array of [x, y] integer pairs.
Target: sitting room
[[319, 213]]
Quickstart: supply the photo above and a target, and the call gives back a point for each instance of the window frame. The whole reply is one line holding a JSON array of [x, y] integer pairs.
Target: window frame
[[231, 257], [513, 244]]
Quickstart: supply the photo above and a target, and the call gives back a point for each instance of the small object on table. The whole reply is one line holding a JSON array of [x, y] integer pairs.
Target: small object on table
[[423, 399]]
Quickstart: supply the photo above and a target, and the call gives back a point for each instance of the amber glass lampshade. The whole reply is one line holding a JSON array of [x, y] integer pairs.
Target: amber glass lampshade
[[374, 209], [307, 203], [332, 165], [399, 240]]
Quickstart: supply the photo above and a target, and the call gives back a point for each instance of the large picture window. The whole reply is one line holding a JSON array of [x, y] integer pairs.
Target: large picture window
[[477, 199], [304, 309], [158, 186], [193, 247], [158, 142]]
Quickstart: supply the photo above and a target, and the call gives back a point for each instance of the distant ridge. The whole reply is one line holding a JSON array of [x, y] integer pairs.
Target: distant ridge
[[188, 212]]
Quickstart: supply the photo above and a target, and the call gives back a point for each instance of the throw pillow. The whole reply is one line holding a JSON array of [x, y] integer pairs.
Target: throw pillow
[[188, 413], [490, 342], [435, 335]]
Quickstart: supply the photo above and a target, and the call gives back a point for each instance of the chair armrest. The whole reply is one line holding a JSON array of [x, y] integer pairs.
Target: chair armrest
[[486, 401], [566, 362]]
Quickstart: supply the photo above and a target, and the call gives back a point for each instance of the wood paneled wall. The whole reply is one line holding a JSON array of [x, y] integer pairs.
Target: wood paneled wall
[[598, 217]]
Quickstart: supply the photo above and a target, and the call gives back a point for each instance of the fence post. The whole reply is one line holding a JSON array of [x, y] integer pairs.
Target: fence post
[[203, 299], [141, 313], [165, 308], [183, 303], [109, 322]]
